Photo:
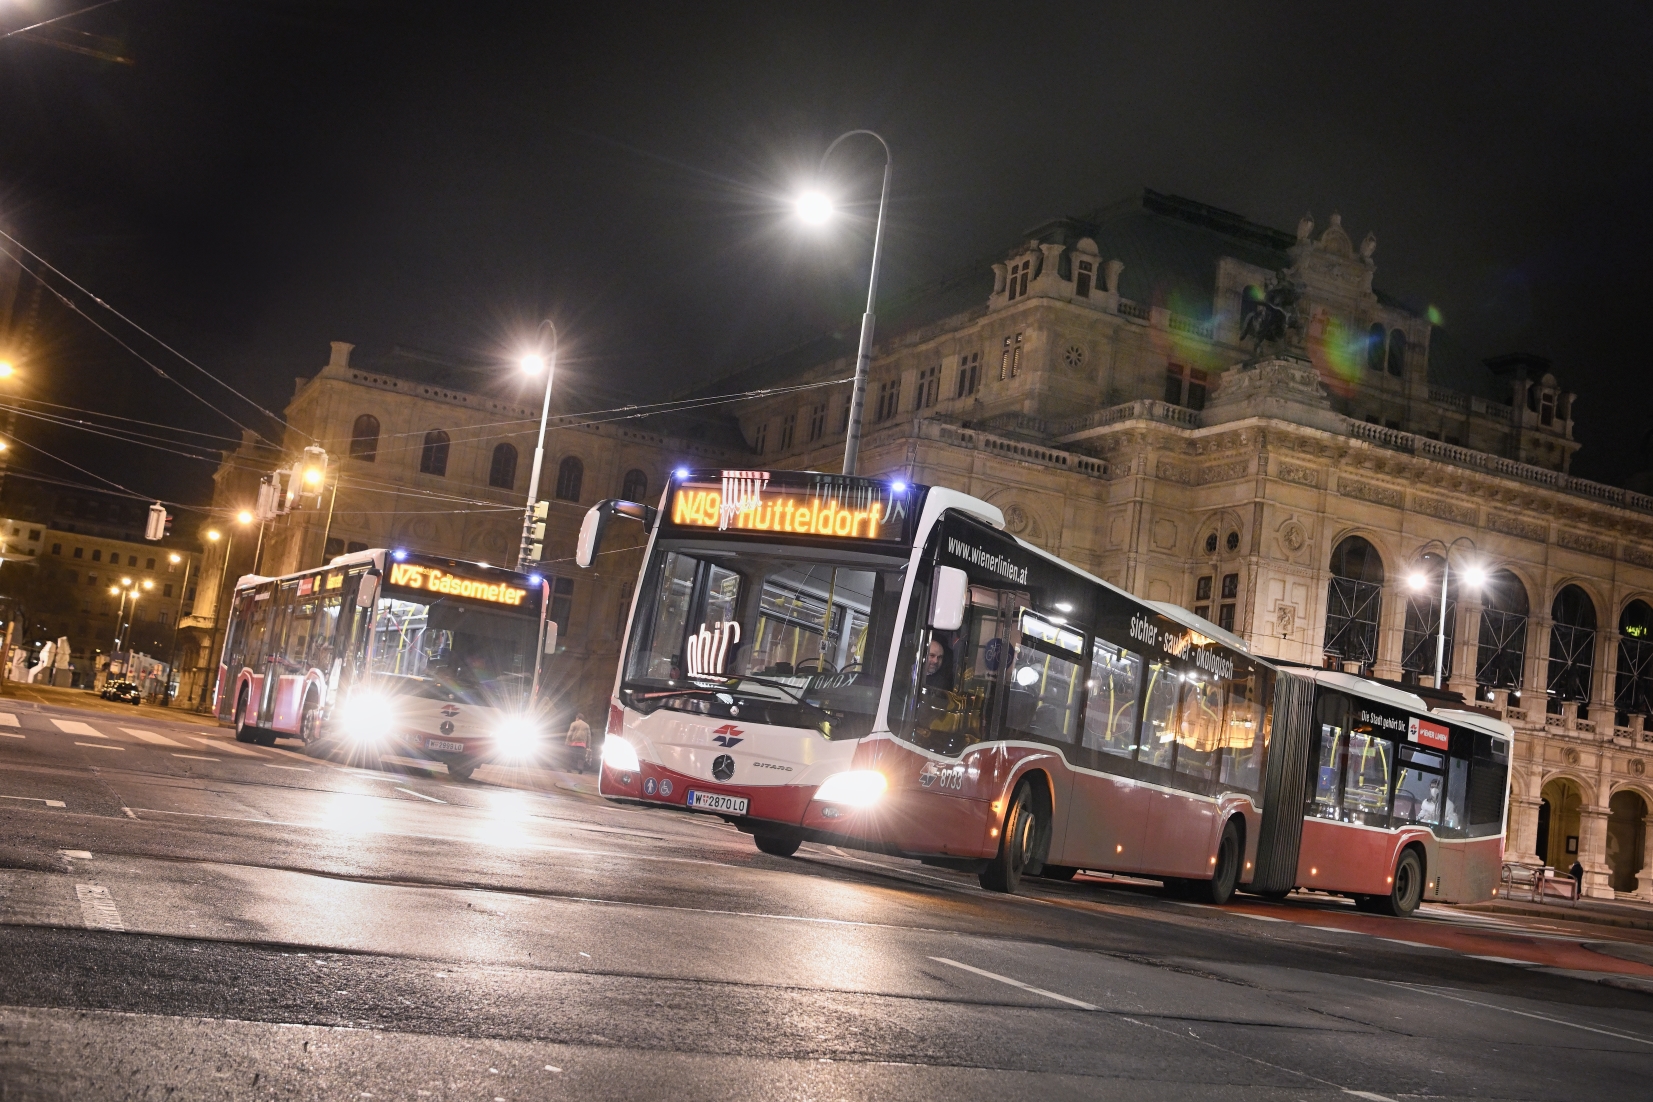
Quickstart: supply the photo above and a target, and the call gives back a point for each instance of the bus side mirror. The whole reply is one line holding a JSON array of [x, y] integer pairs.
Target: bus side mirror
[[948, 598], [367, 591], [591, 535], [550, 637]]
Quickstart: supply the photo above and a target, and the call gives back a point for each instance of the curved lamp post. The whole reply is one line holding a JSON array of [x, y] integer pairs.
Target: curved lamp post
[[1473, 575], [815, 207]]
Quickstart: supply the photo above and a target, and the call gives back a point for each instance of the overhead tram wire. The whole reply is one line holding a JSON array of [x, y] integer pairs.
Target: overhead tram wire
[[129, 420], [58, 19], [64, 299]]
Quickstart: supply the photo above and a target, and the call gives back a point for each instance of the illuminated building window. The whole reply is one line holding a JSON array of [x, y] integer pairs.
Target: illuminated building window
[[1633, 690], [433, 456], [1016, 357]]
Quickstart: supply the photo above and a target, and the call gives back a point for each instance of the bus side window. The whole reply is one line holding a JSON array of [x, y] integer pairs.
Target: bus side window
[[1114, 690], [1454, 822], [295, 654], [1159, 716], [1199, 728], [1489, 775], [1242, 740], [1333, 714], [1042, 699], [1418, 790], [1366, 777]]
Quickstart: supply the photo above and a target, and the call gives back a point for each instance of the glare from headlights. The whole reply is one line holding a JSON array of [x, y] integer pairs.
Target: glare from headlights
[[515, 737], [366, 716], [618, 754], [857, 788]]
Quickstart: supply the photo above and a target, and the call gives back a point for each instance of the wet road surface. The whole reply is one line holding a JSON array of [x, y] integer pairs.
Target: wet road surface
[[183, 916]]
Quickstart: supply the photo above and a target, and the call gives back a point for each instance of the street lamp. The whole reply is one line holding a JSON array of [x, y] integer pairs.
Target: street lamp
[[213, 535], [1473, 576], [533, 363], [815, 208]]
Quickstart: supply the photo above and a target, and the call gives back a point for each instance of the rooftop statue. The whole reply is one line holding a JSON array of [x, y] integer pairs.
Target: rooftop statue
[[1271, 320]]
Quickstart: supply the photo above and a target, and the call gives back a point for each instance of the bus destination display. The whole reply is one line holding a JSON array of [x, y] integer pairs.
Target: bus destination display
[[432, 580], [749, 501]]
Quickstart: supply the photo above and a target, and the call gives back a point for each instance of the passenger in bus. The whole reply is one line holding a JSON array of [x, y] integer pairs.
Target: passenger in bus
[[1430, 811]]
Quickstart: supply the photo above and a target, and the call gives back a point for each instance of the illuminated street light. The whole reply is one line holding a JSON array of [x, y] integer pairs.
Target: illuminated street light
[[6, 369], [174, 558], [244, 517], [1416, 580], [533, 363], [214, 535], [814, 207], [312, 475], [1474, 576]]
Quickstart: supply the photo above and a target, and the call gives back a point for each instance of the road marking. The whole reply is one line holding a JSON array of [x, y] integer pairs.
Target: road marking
[[226, 746], [1017, 983], [128, 812], [1510, 1010], [78, 854], [1413, 944], [1500, 960], [150, 736], [100, 746], [421, 795], [76, 727], [35, 800], [1259, 918], [8, 734], [8, 720], [293, 768], [97, 908], [1368, 1095], [196, 757]]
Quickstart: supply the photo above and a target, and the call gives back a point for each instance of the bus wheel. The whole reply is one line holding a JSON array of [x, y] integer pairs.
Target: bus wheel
[[309, 726], [777, 845], [1407, 892], [1227, 871], [1021, 833], [461, 772], [244, 732]]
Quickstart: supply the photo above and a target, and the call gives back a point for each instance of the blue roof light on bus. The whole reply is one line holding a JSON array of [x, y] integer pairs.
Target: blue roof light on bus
[[898, 487], [535, 579], [681, 473], [398, 554]]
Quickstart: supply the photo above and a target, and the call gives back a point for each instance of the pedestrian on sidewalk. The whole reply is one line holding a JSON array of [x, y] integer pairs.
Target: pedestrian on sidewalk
[[579, 741], [1577, 873]]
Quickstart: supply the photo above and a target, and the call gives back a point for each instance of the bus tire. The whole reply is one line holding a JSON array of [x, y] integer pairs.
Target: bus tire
[[309, 727], [461, 771], [1407, 890], [776, 845], [1017, 843], [244, 732], [1226, 873]]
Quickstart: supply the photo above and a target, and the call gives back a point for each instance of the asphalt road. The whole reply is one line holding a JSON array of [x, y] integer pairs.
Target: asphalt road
[[185, 917]]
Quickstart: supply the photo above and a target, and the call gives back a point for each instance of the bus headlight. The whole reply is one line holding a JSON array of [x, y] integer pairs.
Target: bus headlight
[[515, 737], [366, 716], [619, 755], [857, 788]]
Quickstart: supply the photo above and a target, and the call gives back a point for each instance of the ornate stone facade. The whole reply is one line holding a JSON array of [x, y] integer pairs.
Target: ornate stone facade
[[1290, 492]]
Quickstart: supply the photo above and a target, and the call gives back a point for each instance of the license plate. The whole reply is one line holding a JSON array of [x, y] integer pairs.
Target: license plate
[[438, 744], [717, 801]]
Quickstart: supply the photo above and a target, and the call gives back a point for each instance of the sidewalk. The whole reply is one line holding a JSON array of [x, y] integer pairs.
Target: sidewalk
[[88, 701], [1630, 916]]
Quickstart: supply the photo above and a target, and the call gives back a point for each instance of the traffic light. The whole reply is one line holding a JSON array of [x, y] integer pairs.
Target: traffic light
[[535, 541], [155, 526]]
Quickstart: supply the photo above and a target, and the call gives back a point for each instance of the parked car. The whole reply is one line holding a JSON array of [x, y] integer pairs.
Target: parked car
[[128, 691]]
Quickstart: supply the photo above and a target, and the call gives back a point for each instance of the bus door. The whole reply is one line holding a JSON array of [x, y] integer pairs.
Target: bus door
[[271, 660], [293, 662], [1107, 817], [1182, 737]]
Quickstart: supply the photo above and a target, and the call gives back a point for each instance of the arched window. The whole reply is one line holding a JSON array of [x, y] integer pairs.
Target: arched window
[[1633, 688], [1374, 347], [1352, 602], [570, 473], [1423, 619], [1572, 647], [1503, 645], [502, 472], [364, 438], [636, 486], [1397, 352], [433, 457]]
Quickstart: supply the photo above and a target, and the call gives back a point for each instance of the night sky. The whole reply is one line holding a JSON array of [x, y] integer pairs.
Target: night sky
[[267, 176]]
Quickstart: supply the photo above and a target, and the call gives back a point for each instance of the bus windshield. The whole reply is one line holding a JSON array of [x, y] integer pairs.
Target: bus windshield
[[793, 637], [454, 650]]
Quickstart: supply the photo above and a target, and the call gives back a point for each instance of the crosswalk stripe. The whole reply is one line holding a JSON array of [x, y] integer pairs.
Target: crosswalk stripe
[[76, 727], [226, 746], [150, 736], [8, 720]]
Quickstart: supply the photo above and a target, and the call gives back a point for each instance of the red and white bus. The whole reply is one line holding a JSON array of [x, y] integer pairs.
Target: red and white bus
[[389, 652], [880, 665]]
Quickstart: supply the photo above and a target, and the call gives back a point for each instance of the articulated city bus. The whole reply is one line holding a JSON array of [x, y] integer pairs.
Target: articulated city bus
[[880, 665], [388, 652]]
